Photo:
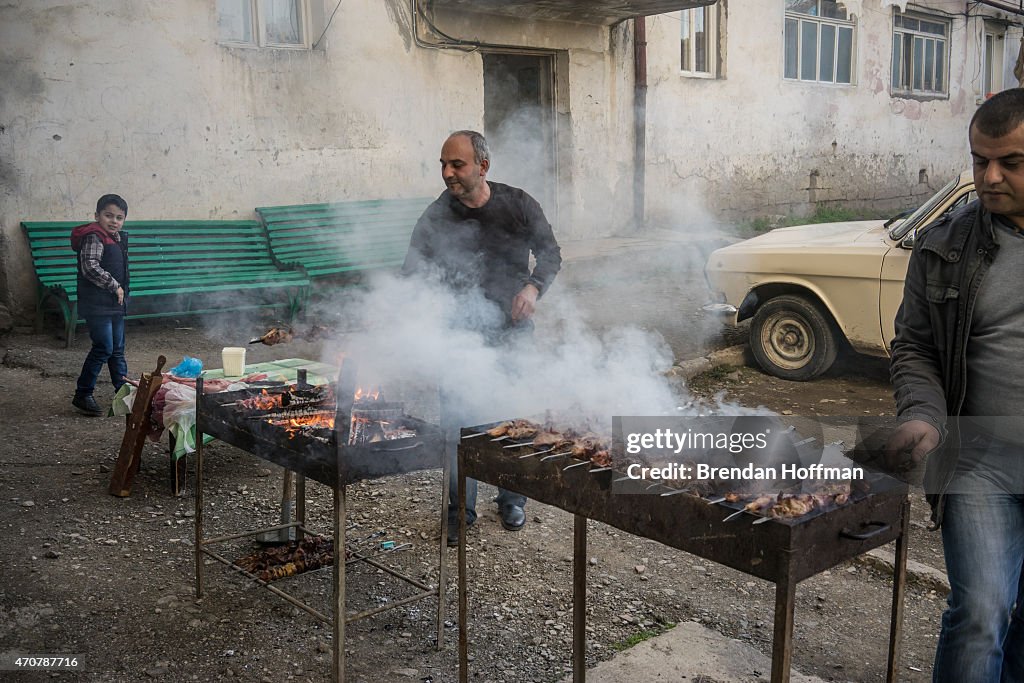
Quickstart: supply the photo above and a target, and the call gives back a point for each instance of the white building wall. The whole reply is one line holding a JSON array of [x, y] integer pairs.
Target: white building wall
[[140, 99], [747, 144]]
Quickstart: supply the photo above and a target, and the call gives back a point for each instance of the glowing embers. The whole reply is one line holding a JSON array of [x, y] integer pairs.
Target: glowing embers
[[309, 411], [374, 419]]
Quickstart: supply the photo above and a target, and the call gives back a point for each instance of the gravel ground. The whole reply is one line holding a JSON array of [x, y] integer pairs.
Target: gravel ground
[[111, 579]]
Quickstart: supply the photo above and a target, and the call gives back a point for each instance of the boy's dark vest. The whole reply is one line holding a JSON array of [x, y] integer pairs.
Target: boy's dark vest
[[91, 299]]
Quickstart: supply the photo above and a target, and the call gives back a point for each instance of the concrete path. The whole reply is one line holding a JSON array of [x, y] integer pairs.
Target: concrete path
[[689, 653]]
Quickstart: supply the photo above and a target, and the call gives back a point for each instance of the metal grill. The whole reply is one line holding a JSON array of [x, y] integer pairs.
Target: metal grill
[[328, 456], [784, 551]]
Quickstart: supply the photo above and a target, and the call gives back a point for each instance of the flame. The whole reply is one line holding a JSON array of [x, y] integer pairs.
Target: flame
[[296, 424], [367, 395], [263, 401]]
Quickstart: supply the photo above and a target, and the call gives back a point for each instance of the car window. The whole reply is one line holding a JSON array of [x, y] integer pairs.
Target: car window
[[915, 220]]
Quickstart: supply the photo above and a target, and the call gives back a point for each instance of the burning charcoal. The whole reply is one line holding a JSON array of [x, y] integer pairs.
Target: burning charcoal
[[296, 397]]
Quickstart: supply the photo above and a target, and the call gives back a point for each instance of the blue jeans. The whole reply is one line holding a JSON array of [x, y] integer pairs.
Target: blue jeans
[[107, 335], [504, 498], [982, 638], [451, 422]]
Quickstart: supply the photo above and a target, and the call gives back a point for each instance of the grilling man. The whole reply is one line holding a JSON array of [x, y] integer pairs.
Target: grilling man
[[957, 352], [478, 235]]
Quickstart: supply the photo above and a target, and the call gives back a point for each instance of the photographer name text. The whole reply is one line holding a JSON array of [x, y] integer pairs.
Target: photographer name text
[[705, 472]]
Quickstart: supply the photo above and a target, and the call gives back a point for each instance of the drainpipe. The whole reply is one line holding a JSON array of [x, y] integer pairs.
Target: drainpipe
[[639, 119]]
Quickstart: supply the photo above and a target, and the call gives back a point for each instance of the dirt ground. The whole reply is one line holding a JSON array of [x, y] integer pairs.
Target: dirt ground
[[111, 579]]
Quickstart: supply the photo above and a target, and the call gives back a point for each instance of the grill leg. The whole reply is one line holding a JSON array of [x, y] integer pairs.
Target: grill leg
[[300, 505], [338, 631], [199, 512], [579, 599], [899, 581], [463, 603], [782, 636], [442, 565]]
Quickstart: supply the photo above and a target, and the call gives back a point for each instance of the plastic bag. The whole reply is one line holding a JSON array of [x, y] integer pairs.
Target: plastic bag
[[179, 414], [189, 367]]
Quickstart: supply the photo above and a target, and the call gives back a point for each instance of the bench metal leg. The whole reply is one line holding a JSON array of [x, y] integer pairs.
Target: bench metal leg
[[72, 322]]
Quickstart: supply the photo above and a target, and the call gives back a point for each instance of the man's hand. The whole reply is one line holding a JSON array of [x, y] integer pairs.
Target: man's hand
[[916, 439], [524, 303], [120, 296]]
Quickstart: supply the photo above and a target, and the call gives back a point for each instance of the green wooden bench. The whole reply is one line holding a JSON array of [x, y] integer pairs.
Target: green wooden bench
[[177, 268], [342, 238]]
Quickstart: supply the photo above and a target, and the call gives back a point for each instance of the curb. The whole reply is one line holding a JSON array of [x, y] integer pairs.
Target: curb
[[917, 573], [733, 355]]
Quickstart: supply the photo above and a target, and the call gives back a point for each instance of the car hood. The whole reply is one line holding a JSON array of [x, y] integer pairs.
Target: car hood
[[816, 235]]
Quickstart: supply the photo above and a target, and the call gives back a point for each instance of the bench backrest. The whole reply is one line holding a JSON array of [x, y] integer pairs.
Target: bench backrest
[[159, 251], [342, 237]]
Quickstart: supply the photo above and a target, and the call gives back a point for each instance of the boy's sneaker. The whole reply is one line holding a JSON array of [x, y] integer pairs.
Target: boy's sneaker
[[87, 405]]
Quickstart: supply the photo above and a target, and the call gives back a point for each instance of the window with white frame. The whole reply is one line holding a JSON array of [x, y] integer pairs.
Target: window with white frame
[[698, 41], [818, 42], [993, 60], [920, 55], [263, 23]]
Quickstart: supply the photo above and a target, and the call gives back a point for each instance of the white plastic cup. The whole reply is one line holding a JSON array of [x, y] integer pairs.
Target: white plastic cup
[[233, 358]]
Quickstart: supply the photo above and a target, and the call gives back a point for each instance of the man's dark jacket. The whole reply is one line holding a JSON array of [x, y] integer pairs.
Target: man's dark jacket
[[488, 247], [929, 352]]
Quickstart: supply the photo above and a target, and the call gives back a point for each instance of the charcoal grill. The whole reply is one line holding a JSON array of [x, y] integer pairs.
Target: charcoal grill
[[783, 551], [328, 457]]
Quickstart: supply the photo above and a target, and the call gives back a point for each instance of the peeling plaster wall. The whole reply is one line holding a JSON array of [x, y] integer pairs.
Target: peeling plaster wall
[[747, 144], [140, 99]]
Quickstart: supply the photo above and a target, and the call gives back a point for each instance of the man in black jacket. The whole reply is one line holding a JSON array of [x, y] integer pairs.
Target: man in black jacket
[[478, 237], [957, 373]]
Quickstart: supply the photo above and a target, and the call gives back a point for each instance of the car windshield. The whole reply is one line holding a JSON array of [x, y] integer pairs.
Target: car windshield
[[902, 227]]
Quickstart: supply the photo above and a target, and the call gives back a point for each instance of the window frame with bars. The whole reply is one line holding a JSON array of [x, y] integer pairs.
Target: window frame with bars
[[249, 28], [689, 47], [905, 83], [794, 67]]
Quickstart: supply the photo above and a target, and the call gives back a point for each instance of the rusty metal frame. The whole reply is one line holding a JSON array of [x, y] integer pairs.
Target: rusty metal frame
[[346, 378], [587, 496]]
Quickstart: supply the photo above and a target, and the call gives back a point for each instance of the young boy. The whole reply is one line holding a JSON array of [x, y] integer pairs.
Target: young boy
[[102, 296]]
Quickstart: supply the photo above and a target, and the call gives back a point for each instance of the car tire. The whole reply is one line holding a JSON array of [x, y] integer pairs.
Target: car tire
[[792, 338]]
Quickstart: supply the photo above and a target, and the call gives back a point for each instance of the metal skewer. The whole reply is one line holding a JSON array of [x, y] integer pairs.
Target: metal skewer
[[532, 454], [519, 445], [735, 515], [674, 492], [555, 455], [763, 520], [576, 464]]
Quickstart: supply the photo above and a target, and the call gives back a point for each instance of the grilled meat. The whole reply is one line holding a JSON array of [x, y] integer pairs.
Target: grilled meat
[[275, 335]]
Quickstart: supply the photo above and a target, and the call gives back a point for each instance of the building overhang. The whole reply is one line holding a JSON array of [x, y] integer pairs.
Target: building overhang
[[605, 12]]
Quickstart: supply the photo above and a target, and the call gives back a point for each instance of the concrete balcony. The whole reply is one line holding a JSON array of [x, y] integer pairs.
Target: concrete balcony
[[581, 11]]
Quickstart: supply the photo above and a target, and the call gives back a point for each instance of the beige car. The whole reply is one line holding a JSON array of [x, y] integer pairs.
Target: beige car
[[809, 288]]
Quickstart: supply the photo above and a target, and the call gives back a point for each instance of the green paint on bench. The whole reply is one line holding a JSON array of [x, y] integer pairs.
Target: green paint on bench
[[342, 238], [171, 263]]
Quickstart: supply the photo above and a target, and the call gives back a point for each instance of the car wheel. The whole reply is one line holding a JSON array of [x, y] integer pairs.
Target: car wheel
[[792, 338]]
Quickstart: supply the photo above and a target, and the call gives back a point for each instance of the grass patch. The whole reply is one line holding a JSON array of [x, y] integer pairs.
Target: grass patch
[[823, 214], [713, 379], [641, 636]]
